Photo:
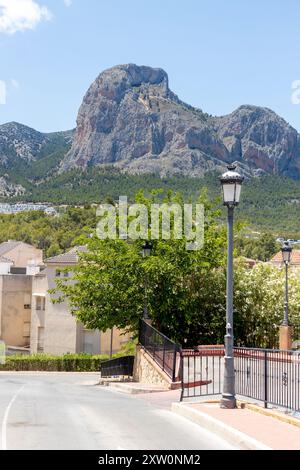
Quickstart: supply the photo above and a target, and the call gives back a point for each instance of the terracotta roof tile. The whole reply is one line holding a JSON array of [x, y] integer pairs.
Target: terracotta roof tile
[[295, 258]]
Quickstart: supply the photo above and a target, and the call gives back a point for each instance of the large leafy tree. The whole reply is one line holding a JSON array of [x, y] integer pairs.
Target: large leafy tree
[[185, 290]]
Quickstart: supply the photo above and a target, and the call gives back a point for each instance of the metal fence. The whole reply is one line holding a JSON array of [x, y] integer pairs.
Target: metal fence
[[267, 375], [202, 371], [116, 367], [164, 351], [271, 376]]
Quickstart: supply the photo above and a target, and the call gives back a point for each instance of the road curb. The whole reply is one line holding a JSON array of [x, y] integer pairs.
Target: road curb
[[231, 435], [272, 413], [129, 389]]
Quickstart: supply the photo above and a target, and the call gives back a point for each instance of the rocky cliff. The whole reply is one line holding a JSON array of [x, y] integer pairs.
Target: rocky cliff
[[19, 143], [131, 119], [260, 139]]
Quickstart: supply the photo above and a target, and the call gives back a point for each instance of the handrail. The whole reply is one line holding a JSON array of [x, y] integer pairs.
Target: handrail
[[162, 349]]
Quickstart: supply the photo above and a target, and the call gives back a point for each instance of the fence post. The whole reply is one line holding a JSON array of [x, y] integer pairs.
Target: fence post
[[266, 379], [181, 375], [142, 333], [174, 363], [164, 353]]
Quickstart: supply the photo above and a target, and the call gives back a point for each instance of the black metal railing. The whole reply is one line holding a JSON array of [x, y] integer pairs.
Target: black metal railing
[[164, 351], [202, 371], [117, 367], [271, 376]]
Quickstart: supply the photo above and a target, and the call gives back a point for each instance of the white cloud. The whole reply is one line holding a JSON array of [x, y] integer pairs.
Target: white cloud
[[2, 92], [68, 3], [15, 83], [19, 15]]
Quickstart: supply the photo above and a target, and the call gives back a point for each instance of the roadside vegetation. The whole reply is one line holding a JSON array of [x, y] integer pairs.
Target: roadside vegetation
[[185, 289]]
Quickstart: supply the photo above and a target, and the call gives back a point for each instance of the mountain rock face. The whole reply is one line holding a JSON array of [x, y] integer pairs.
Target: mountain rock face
[[8, 189], [19, 143], [130, 118], [260, 139]]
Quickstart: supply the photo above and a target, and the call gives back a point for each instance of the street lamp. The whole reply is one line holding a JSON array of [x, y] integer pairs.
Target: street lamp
[[231, 182], [146, 250], [286, 251]]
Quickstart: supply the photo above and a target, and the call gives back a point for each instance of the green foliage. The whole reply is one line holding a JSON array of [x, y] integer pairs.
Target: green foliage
[[185, 289], [270, 203], [111, 277], [262, 247], [259, 305], [128, 349], [51, 234], [45, 362]]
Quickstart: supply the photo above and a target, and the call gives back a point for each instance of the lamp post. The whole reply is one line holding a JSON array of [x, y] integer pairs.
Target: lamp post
[[285, 331], [286, 251], [146, 250], [231, 182]]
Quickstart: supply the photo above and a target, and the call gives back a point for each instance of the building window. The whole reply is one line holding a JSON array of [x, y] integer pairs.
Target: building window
[[58, 273], [88, 341], [40, 303], [27, 301], [26, 329]]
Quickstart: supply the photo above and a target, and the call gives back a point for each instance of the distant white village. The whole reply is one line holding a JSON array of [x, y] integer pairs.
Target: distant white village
[[17, 208]]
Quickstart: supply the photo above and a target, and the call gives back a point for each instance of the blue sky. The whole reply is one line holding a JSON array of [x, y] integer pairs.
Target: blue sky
[[219, 54]]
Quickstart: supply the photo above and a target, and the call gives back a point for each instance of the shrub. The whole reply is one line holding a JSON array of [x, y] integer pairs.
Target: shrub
[[45, 362]]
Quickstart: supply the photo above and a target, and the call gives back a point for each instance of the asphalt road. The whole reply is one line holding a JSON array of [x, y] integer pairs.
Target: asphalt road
[[66, 411]]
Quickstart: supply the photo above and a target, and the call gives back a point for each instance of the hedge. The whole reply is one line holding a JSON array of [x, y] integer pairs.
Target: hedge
[[44, 362]]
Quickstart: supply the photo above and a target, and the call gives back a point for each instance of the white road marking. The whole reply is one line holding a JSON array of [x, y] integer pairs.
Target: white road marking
[[5, 418]]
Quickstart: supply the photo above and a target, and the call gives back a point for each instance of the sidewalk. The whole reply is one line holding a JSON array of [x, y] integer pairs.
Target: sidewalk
[[132, 388], [244, 428]]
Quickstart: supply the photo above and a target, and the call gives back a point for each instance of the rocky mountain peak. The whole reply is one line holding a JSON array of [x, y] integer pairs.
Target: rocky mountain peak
[[131, 119], [22, 144], [17, 140], [113, 83], [261, 139]]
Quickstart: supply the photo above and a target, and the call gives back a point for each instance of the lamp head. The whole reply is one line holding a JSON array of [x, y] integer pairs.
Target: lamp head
[[147, 248], [231, 182], [286, 251]]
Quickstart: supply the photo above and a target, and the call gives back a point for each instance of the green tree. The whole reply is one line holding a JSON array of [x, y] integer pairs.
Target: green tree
[[186, 293], [262, 248]]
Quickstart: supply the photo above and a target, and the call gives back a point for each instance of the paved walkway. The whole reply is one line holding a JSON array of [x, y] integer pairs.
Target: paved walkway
[[268, 430]]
